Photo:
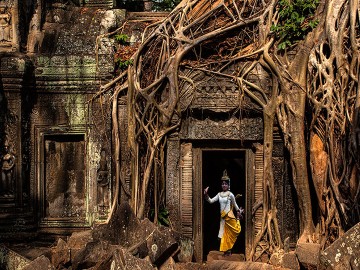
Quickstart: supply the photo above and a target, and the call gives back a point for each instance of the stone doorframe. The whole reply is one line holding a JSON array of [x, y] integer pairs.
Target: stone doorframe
[[41, 131], [199, 199], [184, 196]]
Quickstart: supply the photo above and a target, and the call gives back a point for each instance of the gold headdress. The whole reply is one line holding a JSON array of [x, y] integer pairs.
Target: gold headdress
[[225, 177]]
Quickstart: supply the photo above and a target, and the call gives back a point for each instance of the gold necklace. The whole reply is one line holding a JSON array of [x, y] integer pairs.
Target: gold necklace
[[225, 193]]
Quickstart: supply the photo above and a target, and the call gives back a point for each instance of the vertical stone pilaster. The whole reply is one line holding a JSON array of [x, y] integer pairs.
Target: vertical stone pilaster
[[173, 182], [186, 189], [125, 156]]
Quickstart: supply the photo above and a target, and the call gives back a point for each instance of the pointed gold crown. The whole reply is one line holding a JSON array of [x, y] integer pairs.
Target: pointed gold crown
[[225, 176]]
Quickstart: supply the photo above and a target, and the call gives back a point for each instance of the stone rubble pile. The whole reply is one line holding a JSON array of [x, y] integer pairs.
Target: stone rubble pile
[[126, 242]]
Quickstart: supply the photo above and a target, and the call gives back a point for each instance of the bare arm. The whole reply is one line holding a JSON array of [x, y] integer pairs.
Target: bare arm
[[233, 201], [239, 210], [210, 200]]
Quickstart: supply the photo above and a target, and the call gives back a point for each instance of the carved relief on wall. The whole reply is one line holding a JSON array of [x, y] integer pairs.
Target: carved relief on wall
[[7, 184], [221, 97], [239, 129], [8, 22], [103, 184], [8, 147], [5, 26]]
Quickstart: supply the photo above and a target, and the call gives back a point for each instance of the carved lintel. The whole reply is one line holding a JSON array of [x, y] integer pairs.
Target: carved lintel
[[232, 129]]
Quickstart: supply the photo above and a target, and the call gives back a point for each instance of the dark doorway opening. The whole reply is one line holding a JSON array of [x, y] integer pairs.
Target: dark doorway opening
[[214, 162]]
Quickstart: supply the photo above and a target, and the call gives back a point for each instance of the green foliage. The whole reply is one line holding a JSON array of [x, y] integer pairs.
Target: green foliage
[[122, 57], [121, 38], [122, 64], [296, 20], [165, 5], [163, 216]]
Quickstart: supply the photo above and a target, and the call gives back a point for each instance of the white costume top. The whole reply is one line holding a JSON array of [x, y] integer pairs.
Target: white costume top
[[226, 199]]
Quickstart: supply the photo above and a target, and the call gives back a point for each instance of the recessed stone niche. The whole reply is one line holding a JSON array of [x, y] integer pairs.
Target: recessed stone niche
[[63, 181]]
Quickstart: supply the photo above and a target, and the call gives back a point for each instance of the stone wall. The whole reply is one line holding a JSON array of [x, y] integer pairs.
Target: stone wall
[[56, 153]]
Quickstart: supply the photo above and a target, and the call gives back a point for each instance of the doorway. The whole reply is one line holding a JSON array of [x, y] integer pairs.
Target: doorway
[[214, 162]]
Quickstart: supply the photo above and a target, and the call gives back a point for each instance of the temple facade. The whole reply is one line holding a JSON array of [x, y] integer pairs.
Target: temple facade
[[57, 167]]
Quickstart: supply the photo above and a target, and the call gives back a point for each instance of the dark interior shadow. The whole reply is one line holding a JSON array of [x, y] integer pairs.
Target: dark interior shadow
[[214, 163]]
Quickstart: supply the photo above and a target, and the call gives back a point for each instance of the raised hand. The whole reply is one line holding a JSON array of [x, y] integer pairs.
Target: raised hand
[[240, 213]]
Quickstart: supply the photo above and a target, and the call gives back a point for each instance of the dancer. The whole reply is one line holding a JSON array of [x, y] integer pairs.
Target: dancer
[[229, 225]]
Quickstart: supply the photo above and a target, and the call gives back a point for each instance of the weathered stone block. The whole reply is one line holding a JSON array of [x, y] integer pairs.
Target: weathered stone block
[[344, 252], [161, 245], [142, 238], [11, 260], [286, 260], [93, 253], [78, 240], [308, 254], [60, 254], [289, 260], [122, 229], [121, 259], [41, 262]]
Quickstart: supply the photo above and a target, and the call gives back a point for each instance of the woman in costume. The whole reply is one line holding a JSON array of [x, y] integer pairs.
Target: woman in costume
[[229, 225]]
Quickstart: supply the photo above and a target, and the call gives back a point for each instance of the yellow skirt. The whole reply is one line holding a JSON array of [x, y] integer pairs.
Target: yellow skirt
[[232, 229]]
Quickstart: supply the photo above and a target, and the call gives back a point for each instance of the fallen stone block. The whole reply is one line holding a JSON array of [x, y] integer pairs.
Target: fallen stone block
[[308, 254], [286, 260], [122, 259], [40, 263], [60, 254], [77, 241], [122, 229], [344, 253], [10, 260], [289, 260], [161, 245], [142, 238], [186, 247], [93, 253]]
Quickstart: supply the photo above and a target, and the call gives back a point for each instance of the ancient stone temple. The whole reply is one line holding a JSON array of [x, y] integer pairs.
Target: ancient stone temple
[[57, 169], [55, 143]]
